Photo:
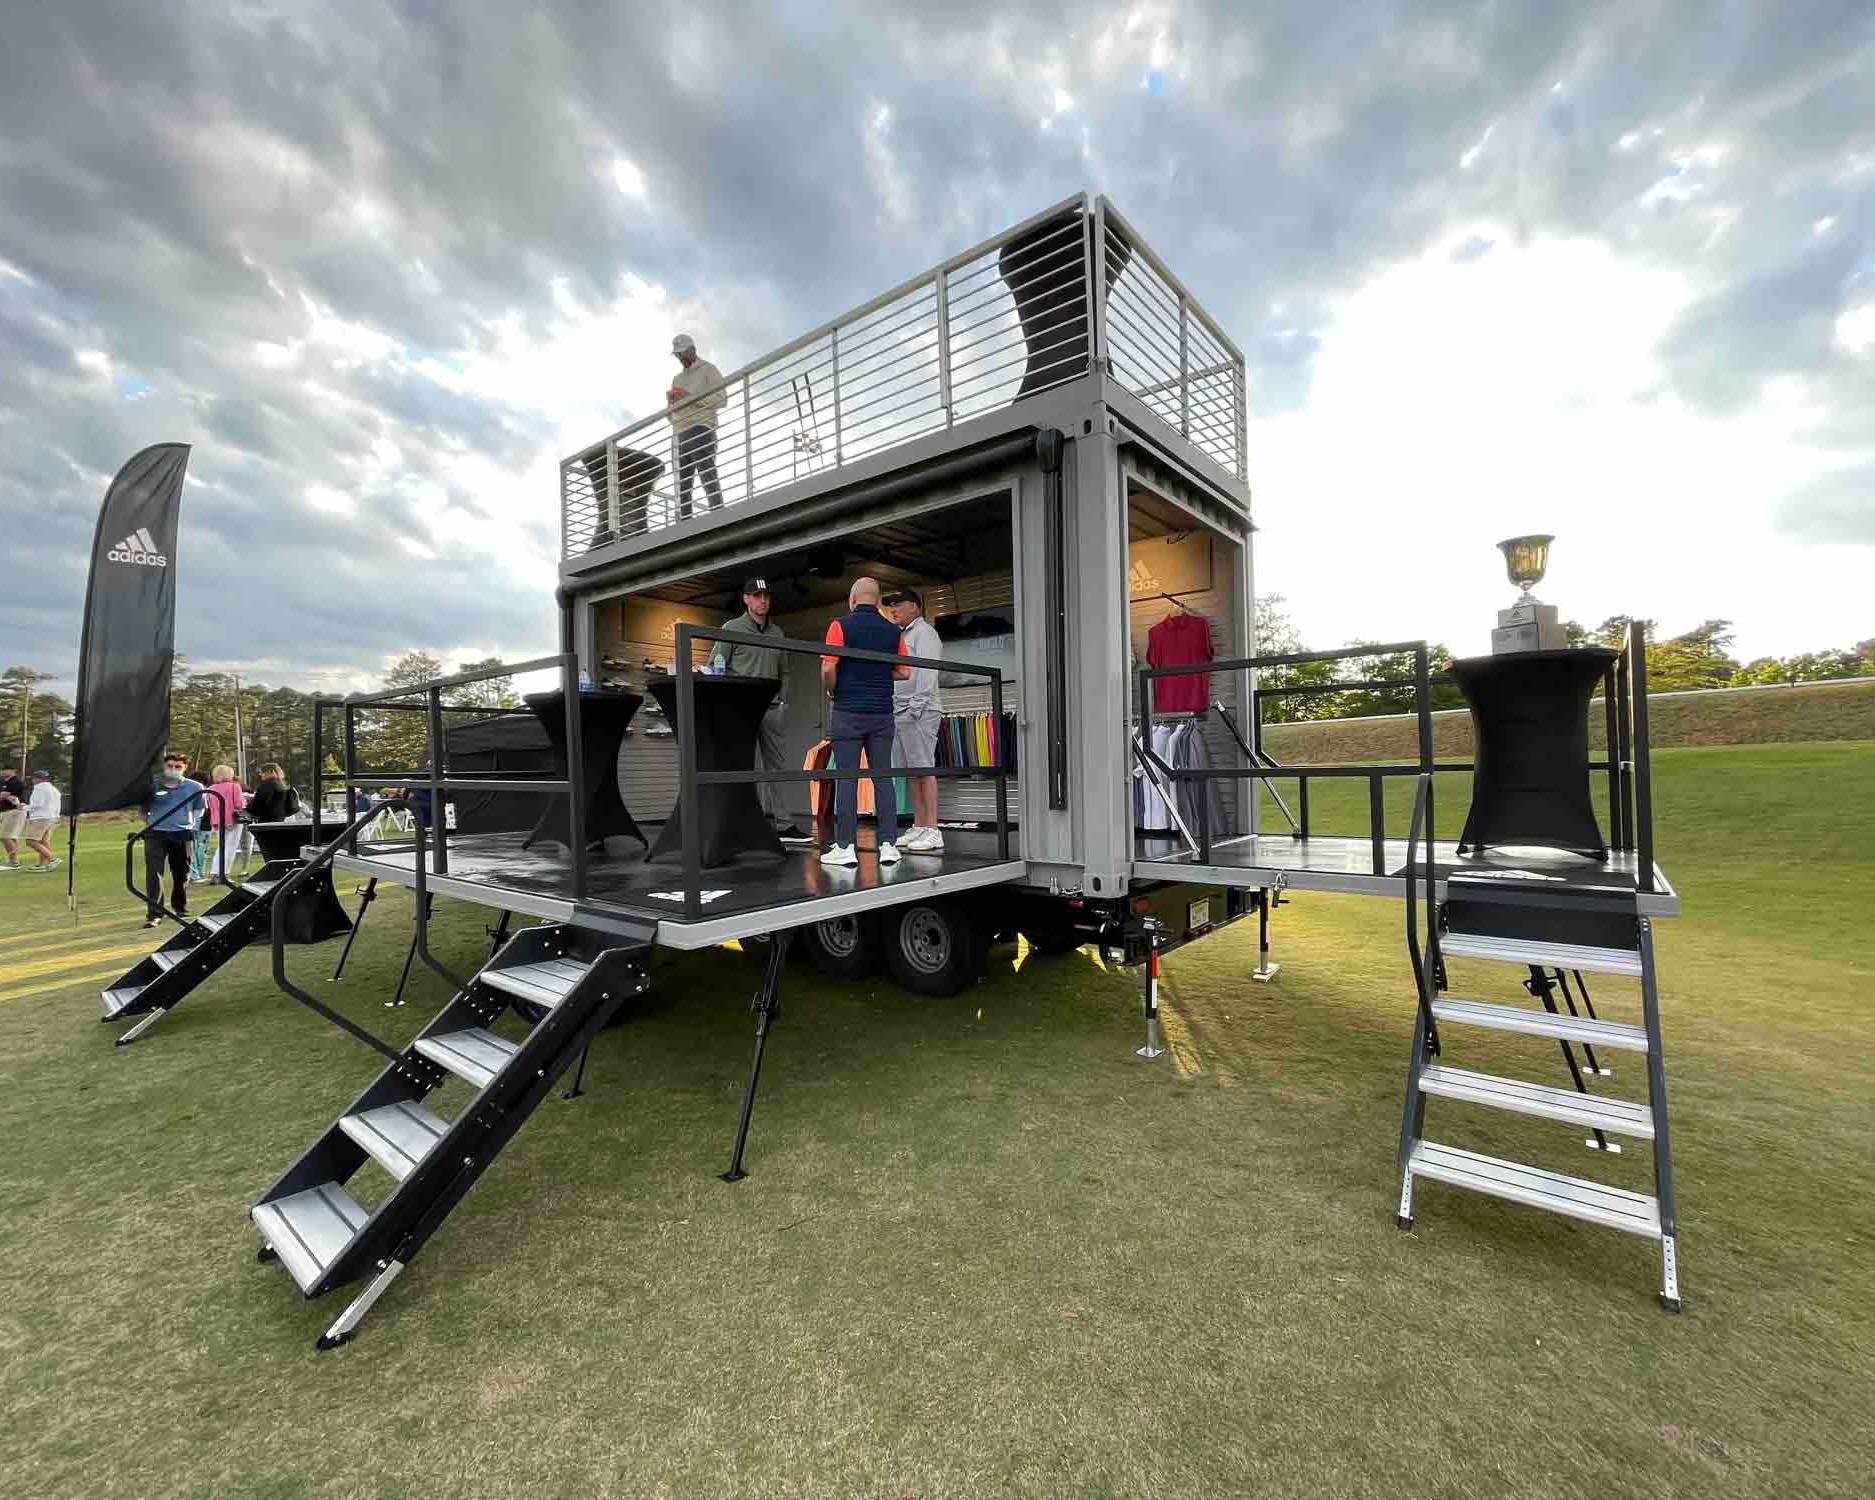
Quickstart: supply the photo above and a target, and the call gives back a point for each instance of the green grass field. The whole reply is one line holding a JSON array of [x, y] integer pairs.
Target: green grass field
[[983, 1249]]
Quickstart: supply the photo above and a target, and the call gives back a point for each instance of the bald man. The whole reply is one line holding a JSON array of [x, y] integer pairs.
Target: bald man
[[862, 720]]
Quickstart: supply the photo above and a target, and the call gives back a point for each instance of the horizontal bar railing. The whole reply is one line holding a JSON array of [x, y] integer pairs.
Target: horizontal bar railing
[[1261, 769], [434, 778], [690, 779], [1005, 319]]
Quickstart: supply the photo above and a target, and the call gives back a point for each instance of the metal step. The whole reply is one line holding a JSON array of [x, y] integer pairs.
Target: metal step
[[545, 983], [115, 1000], [396, 1136], [167, 959], [258, 887], [1620, 1116], [1636, 1213], [1543, 955], [215, 921], [473, 1055], [308, 1230], [1541, 1023]]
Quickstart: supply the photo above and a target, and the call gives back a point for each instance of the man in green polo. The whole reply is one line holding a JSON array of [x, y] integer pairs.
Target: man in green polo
[[753, 658]]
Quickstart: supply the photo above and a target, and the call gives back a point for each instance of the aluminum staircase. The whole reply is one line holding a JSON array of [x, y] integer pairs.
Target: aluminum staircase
[[574, 979], [1547, 931], [162, 979]]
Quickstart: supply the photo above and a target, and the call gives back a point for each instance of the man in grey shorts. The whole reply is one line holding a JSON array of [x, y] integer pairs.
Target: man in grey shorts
[[915, 720], [751, 658]]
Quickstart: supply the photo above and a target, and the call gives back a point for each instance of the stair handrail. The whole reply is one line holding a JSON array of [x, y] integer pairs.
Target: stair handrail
[[1423, 959], [292, 882], [137, 835]]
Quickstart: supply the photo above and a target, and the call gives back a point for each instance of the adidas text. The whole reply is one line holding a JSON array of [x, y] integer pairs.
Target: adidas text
[[139, 547]]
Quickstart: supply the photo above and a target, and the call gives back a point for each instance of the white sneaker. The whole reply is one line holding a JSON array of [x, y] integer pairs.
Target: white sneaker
[[930, 841], [888, 854], [842, 854]]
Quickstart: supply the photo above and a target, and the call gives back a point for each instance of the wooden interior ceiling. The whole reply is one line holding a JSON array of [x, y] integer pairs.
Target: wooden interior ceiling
[[1148, 516], [960, 541]]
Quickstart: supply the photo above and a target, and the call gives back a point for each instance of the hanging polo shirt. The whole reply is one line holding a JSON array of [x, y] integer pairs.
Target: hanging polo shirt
[[1180, 640]]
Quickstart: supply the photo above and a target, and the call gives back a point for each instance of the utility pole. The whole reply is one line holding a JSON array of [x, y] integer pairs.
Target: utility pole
[[240, 745]]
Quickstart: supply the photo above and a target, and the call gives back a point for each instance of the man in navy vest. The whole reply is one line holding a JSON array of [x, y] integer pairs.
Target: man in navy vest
[[862, 720]]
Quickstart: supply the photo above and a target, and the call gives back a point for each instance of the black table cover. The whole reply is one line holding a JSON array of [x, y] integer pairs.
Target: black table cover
[[637, 477], [729, 711], [604, 716], [1530, 711]]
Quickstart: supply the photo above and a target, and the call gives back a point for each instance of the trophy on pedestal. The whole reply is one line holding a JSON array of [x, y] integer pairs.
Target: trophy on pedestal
[[1527, 625]]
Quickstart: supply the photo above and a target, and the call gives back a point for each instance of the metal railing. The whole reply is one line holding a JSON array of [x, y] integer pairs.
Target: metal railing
[[690, 780], [1630, 783], [435, 779], [1002, 321]]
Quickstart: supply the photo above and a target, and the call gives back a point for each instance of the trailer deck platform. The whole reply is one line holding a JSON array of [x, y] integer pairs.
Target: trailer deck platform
[[1347, 865], [753, 895]]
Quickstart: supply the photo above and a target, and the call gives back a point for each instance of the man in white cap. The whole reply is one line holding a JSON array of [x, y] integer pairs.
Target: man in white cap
[[695, 397]]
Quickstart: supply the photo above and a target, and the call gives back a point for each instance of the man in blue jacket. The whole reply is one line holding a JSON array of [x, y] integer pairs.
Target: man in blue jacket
[[171, 811], [862, 720]]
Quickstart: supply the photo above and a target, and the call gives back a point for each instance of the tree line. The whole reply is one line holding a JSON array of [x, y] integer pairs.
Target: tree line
[[1698, 658], [276, 722]]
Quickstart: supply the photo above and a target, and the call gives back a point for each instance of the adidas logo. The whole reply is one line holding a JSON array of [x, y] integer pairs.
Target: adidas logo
[[138, 547]]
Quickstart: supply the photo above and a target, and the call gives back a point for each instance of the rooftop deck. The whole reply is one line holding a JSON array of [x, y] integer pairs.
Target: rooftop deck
[[1003, 321]]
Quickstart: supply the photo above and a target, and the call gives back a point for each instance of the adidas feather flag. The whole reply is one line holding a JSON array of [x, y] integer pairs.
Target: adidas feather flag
[[129, 633]]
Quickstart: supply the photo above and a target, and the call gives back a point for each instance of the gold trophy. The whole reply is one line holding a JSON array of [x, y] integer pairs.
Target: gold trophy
[[1528, 625]]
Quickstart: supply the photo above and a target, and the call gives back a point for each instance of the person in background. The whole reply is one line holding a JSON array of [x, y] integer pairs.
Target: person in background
[[42, 813], [753, 659], [12, 815], [699, 389], [862, 721], [273, 800], [915, 719], [224, 809], [171, 811]]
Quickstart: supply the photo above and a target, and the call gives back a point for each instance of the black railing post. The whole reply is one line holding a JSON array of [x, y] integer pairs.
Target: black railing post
[[1002, 768], [1611, 715], [686, 726], [438, 820], [1302, 813], [318, 764], [575, 774], [1377, 821], [1422, 689], [1643, 774], [350, 751], [1624, 724]]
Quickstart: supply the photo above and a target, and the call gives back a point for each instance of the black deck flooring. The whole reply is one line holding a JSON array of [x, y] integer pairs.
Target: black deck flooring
[[752, 883]]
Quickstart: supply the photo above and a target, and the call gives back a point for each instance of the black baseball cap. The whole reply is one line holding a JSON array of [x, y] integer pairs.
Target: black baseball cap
[[901, 595], [755, 586]]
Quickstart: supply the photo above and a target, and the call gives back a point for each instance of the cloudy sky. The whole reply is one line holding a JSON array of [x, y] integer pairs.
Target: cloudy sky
[[1606, 270]]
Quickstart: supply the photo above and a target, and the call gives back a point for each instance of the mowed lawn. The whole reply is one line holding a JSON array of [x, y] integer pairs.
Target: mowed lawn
[[984, 1250]]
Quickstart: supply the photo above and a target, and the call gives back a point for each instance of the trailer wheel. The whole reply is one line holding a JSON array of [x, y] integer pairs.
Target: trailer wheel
[[933, 947], [843, 947]]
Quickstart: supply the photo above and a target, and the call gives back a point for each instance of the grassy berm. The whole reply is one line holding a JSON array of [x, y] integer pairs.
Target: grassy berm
[[984, 1250]]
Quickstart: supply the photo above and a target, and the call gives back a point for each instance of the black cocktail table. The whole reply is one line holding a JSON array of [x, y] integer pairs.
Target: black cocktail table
[[730, 818], [637, 477], [1530, 711], [604, 716]]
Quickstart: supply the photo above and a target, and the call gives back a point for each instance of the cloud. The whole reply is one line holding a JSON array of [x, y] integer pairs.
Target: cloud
[[384, 264]]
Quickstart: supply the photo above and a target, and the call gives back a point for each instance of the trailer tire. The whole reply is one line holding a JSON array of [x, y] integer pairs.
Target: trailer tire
[[933, 947], [843, 947]]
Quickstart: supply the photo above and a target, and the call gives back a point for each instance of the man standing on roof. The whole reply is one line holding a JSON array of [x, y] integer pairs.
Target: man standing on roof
[[862, 720], [753, 658], [915, 719], [695, 397]]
